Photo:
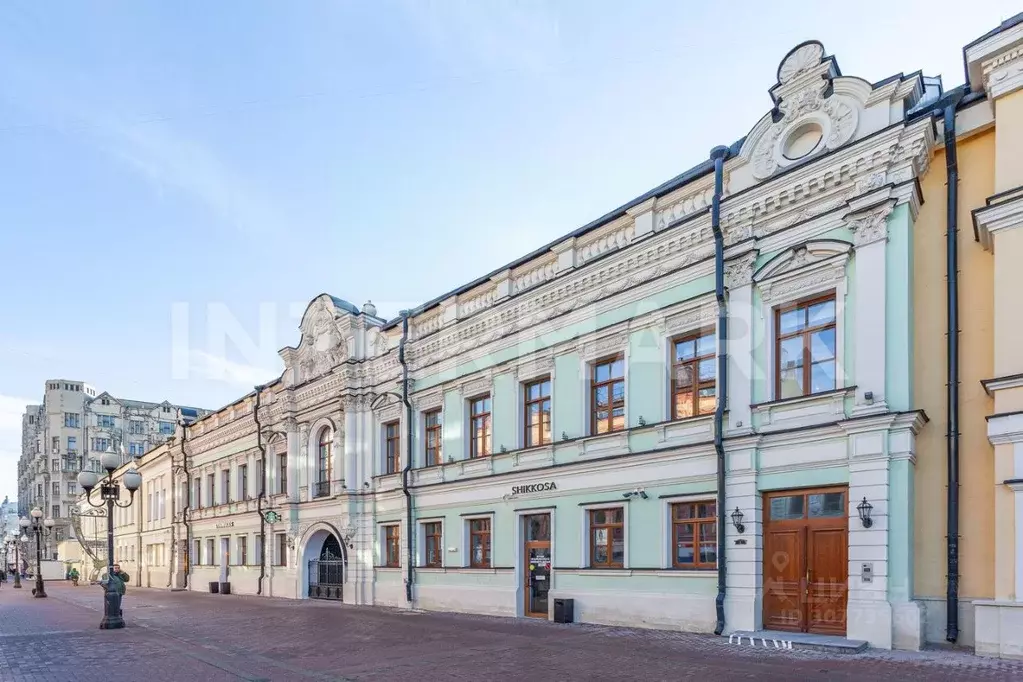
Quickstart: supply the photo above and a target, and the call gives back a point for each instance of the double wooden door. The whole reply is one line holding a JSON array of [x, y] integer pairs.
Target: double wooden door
[[806, 568]]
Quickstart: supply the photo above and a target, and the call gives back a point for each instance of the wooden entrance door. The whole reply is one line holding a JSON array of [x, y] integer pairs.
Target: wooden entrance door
[[806, 568], [536, 555]]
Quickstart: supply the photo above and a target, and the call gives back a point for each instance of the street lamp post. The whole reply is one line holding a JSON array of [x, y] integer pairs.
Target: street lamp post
[[15, 541], [110, 493], [42, 529]]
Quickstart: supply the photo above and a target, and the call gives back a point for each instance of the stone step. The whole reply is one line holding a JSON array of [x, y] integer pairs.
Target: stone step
[[776, 639]]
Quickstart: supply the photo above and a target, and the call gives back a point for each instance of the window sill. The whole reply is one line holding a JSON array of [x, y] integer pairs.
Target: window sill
[[604, 444], [629, 572], [388, 569], [464, 569], [819, 408]]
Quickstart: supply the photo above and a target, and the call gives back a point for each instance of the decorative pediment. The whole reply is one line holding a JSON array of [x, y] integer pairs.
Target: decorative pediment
[[801, 257], [323, 345]]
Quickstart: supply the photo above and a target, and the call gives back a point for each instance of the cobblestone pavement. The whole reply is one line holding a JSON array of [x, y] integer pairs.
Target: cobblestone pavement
[[193, 636]]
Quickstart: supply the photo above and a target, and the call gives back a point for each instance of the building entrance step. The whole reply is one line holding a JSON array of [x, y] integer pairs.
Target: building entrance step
[[776, 639]]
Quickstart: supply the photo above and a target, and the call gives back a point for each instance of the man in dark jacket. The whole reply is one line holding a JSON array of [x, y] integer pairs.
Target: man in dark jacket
[[123, 587]]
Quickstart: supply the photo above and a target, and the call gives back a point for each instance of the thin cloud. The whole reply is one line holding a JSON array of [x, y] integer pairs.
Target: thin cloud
[[11, 410], [217, 368]]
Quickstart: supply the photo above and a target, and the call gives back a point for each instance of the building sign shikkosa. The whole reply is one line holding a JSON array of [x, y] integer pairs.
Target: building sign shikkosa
[[534, 488]]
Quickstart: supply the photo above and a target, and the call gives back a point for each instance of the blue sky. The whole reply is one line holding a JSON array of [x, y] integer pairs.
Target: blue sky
[[169, 167]]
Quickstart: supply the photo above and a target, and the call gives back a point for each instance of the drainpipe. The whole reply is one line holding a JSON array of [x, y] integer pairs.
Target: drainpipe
[[408, 452], [718, 155], [262, 493], [186, 511], [952, 360]]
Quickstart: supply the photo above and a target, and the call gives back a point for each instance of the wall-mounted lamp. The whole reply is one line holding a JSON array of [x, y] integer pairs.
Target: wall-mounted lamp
[[737, 521], [638, 492], [864, 508], [642, 421], [868, 397]]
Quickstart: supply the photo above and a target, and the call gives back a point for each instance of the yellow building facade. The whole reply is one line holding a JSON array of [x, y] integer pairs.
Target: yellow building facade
[[980, 421]]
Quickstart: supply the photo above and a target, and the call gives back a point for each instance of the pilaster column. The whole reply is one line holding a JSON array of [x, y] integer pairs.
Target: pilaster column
[[351, 472], [739, 280], [291, 440], [303, 461], [744, 552], [870, 236]]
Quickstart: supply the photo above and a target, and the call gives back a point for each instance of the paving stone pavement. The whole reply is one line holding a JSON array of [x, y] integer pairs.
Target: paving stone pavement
[[193, 636]]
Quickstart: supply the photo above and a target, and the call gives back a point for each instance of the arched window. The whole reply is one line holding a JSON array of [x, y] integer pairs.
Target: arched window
[[323, 458]]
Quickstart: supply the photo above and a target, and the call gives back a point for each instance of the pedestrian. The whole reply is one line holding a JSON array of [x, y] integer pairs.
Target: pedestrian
[[123, 577], [73, 575]]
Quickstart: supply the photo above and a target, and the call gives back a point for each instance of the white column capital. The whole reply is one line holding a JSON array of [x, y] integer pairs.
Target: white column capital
[[995, 63]]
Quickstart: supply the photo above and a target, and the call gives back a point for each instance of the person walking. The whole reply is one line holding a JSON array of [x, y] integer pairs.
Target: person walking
[[73, 575]]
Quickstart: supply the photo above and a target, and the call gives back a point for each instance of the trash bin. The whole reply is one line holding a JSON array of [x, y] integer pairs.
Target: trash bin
[[225, 588], [214, 588], [564, 610]]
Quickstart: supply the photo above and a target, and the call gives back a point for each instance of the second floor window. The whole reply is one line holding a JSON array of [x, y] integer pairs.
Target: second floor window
[[693, 375], [433, 545], [72, 488], [805, 348], [282, 473], [72, 444], [243, 550], [167, 428], [100, 444], [196, 501], [136, 427], [537, 413], [56, 488], [243, 482], [211, 482], [392, 447], [607, 399], [105, 421], [225, 486], [71, 420], [479, 427], [607, 538], [55, 512], [434, 448], [392, 546], [323, 464]]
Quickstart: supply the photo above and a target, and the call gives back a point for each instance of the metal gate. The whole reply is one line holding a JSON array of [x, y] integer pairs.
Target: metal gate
[[326, 579]]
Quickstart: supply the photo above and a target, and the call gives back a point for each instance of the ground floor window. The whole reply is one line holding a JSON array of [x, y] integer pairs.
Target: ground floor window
[[433, 544], [211, 552], [243, 550], [607, 538], [282, 550], [392, 546], [479, 543], [694, 535]]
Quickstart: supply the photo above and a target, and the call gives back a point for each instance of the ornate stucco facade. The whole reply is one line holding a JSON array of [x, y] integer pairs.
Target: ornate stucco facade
[[561, 436]]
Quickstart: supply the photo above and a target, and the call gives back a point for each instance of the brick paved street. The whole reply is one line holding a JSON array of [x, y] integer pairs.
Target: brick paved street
[[185, 636]]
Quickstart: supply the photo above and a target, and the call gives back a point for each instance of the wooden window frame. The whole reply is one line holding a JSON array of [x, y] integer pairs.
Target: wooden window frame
[[593, 527], [434, 455], [242, 542], [243, 482], [324, 455], [392, 546], [484, 533], [433, 531], [696, 522], [488, 428], [225, 482], [392, 447], [609, 384], [527, 403], [282, 472], [806, 332], [694, 363], [282, 549]]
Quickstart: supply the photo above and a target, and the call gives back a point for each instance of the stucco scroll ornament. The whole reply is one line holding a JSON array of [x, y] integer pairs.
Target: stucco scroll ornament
[[323, 345], [871, 227]]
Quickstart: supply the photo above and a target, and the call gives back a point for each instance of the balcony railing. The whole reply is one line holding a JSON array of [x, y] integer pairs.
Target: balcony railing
[[321, 489]]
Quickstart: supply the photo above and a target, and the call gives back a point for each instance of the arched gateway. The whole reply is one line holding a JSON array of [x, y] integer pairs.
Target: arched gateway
[[326, 566]]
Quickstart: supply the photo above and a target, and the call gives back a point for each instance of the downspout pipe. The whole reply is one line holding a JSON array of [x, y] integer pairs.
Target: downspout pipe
[[262, 493], [952, 364], [408, 453], [718, 155], [186, 512]]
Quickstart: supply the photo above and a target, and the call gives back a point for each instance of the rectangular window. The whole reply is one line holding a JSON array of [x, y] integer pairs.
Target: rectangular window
[[54, 465], [225, 486], [282, 468], [71, 420], [167, 428], [162, 496], [243, 550], [694, 535], [211, 550], [537, 413], [135, 427], [55, 441], [196, 494], [433, 544], [693, 375], [392, 447], [282, 550], [56, 488], [72, 488], [805, 348], [72, 445], [434, 425], [607, 538], [392, 546], [196, 558], [211, 489], [55, 512], [105, 421], [607, 396], [243, 482], [479, 427], [479, 543]]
